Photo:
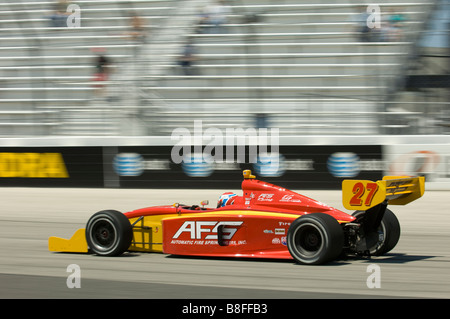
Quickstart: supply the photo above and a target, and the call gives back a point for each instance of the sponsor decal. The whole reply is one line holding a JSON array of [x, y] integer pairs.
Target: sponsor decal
[[417, 163], [265, 197], [275, 165], [290, 199], [208, 229], [431, 161], [348, 165], [128, 164], [32, 165], [134, 164], [343, 164], [284, 224], [279, 240], [270, 165], [196, 165]]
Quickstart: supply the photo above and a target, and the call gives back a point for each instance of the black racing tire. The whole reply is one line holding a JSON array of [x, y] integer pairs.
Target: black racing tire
[[315, 239], [388, 233], [108, 233]]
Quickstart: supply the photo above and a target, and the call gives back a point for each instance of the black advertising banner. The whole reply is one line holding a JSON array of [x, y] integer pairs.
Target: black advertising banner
[[51, 166], [294, 167]]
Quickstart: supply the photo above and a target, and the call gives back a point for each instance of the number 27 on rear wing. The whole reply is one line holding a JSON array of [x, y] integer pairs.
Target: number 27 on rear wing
[[397, 190]]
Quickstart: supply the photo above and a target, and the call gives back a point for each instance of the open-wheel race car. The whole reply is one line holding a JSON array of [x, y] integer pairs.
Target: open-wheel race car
[[266, 221]]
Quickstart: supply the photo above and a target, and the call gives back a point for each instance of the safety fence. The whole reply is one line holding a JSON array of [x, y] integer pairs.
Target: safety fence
[[315, 162]]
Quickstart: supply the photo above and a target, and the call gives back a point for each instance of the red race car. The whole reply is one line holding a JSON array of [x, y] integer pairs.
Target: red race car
[[266, 221]]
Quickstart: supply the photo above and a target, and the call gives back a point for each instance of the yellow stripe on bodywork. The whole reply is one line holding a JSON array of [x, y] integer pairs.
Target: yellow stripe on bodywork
[[226, 213], [239, 213]]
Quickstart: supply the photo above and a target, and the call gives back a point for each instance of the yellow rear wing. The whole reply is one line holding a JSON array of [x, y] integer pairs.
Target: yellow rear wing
[[397, 190]]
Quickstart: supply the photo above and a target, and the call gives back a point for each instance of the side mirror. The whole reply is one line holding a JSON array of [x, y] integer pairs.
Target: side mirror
[[204, 202]]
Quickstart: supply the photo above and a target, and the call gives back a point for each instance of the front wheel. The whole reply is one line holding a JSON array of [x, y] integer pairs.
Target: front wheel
[[109, 233], [315, 239]]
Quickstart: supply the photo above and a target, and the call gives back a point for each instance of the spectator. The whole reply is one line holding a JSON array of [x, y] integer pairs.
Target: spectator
[[102, 71], [362, 28], [203, 20], [217, 16], [187, 59], [59, 17], [137, 28], [395, 25]]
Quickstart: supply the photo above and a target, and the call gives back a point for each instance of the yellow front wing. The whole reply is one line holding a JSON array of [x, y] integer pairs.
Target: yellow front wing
[[76, 244]]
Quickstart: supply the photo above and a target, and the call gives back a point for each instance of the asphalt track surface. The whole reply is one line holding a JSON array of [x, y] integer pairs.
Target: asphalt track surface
[[419, 267]]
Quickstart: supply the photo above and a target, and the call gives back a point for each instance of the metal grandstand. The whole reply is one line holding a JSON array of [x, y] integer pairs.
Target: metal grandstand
[[301, 66]]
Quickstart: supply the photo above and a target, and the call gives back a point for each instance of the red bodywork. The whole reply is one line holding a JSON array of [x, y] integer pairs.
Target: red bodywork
[[255, 226]]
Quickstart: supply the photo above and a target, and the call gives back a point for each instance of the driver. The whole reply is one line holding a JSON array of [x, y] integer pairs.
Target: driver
[[226, 199]]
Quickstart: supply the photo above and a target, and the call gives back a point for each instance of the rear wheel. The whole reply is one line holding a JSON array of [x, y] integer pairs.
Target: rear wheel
[[315, 239], [386, 236], [109, 233]]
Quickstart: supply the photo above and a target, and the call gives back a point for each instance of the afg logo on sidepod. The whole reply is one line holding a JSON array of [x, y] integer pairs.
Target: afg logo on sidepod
[[128, 164], [343, 164]]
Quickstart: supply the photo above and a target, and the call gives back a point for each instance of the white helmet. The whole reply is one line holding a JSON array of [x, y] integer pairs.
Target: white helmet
[[226, 199]]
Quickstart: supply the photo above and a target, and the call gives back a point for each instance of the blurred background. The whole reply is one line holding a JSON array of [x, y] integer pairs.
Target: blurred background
[[146, 67]]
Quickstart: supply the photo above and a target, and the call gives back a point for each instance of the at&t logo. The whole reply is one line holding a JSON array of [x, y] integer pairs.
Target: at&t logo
[[343, 164]]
